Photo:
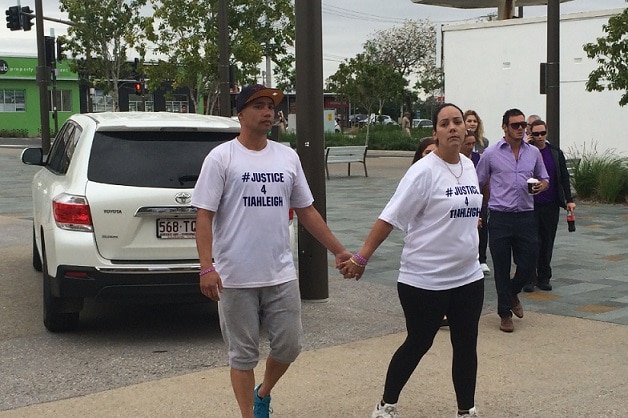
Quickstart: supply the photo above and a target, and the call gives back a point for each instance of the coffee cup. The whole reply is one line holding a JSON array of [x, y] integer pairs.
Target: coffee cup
[[531, 183]]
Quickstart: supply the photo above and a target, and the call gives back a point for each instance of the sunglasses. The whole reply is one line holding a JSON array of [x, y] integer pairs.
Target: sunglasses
[[517, 125], [542, 133]]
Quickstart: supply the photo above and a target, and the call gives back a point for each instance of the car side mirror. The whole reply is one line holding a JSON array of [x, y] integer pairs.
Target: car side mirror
[[33, 156]]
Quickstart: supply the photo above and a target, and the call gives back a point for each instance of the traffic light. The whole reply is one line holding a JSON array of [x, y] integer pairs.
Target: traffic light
[[27, 18], [134, 66], [49, 50], [13, 18], [138, 89], [60, 49]]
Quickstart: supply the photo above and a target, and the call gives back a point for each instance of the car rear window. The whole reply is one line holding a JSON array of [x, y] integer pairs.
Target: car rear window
[[164, 159]]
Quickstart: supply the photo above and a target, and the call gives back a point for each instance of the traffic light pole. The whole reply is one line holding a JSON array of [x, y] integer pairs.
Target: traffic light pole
[[223, 74], [43, 77], [313, 274]]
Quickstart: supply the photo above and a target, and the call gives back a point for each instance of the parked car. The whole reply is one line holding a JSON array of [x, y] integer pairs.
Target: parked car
[[111, 209], [421, 123], [383, 120], [358, 119]]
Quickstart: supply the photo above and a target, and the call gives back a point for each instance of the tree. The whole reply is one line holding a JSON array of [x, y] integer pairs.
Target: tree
[[611, 55], [186, 34], [409, 49], [103, 32], [366, 84]]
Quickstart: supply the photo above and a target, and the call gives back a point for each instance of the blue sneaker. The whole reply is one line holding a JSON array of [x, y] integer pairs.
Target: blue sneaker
[[261, 407]]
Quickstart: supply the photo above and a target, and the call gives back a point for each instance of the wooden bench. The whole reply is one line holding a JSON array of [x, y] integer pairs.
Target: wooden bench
[[348, 154]]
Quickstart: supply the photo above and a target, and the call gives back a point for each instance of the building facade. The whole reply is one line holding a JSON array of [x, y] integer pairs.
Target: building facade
[[494, 66], [20, 101]]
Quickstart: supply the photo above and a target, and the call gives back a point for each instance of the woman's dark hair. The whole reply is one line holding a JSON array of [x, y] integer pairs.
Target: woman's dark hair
[[423, 143], [441, 107]]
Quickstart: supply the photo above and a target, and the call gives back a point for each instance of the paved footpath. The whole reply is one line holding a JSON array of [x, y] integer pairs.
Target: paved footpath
[[568, 356]]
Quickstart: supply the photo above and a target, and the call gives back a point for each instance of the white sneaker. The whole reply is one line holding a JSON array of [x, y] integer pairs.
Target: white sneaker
[[386, 411], [485, 268], [472, 413]]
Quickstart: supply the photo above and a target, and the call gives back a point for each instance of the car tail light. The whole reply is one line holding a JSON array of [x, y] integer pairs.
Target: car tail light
[[290, 214], [76, 274], [71, 212]]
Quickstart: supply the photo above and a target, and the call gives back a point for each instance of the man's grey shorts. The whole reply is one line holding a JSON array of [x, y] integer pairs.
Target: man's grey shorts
[[243, 312]]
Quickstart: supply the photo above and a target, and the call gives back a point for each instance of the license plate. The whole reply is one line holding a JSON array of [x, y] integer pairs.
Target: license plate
[[176, 228]]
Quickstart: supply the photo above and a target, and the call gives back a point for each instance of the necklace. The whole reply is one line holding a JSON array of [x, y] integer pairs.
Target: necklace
[[452, 173]]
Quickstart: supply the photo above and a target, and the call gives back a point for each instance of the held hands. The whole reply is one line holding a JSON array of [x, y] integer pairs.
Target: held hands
[[353, 268]]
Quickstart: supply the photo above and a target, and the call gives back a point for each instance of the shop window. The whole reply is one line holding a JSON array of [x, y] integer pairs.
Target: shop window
[[178, 105], [102, 102], [65, 101], [12, 100]]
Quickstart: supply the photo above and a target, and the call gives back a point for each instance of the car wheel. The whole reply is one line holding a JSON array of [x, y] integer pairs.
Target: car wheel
[[56, 319], [36, 257]]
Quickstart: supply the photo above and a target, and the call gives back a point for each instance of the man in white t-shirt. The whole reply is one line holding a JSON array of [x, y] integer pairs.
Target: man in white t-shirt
[[243, 194]]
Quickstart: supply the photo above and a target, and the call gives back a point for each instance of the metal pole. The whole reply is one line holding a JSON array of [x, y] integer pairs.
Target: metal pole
[[269, 74], [223, 41], [552, 100], [313, 274], [43, 76], [55, 96]]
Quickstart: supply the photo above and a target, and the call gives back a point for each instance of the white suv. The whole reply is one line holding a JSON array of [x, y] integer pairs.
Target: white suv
[[111, 209]]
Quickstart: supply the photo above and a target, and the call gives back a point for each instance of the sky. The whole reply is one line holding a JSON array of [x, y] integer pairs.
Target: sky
[[347, 24]]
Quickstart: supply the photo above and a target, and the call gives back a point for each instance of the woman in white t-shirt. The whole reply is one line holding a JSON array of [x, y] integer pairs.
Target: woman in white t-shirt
[[437, 204]]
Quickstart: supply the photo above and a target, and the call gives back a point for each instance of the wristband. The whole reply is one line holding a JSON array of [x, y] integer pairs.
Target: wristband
[[209, 270], [356, 263], [360, 259]]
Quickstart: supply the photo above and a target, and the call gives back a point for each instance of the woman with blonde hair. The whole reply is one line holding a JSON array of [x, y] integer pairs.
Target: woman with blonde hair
[[474, 123]]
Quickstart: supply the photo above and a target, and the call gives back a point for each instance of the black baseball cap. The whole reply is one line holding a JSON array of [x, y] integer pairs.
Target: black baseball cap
[[254, 91]]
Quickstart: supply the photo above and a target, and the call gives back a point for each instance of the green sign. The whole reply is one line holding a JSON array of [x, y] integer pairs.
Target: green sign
[[26, 69]]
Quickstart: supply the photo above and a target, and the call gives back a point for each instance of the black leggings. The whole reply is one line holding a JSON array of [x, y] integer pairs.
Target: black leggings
[[424, 311]]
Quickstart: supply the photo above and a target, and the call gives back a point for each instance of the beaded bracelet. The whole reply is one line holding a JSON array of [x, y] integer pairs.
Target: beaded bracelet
[[360, 259], [356, 263], [209, 270]]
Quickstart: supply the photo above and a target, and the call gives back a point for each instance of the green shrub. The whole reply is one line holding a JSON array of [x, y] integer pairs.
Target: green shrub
[[381, 137], [612, 182], [600, 176], [13, 133]]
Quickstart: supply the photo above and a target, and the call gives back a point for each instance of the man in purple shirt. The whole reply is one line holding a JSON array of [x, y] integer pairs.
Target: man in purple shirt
[[547, 204], [512, 225]]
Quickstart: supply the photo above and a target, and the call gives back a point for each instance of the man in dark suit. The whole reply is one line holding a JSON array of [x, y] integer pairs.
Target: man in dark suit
[[547, 204]]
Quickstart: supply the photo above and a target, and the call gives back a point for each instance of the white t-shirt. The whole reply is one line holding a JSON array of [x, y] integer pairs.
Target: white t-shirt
[[251, 193], [440, 219]]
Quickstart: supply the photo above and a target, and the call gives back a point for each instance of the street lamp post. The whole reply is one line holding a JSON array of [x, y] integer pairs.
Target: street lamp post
[[313, 274], [43, 77]]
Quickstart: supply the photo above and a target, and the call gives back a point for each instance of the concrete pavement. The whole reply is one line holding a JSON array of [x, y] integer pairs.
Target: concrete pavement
[[568, 355]]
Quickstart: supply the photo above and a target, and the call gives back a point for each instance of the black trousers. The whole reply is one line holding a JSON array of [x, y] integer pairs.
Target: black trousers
[[424, 311], [547, 218], [512, 234], [483, 232]]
